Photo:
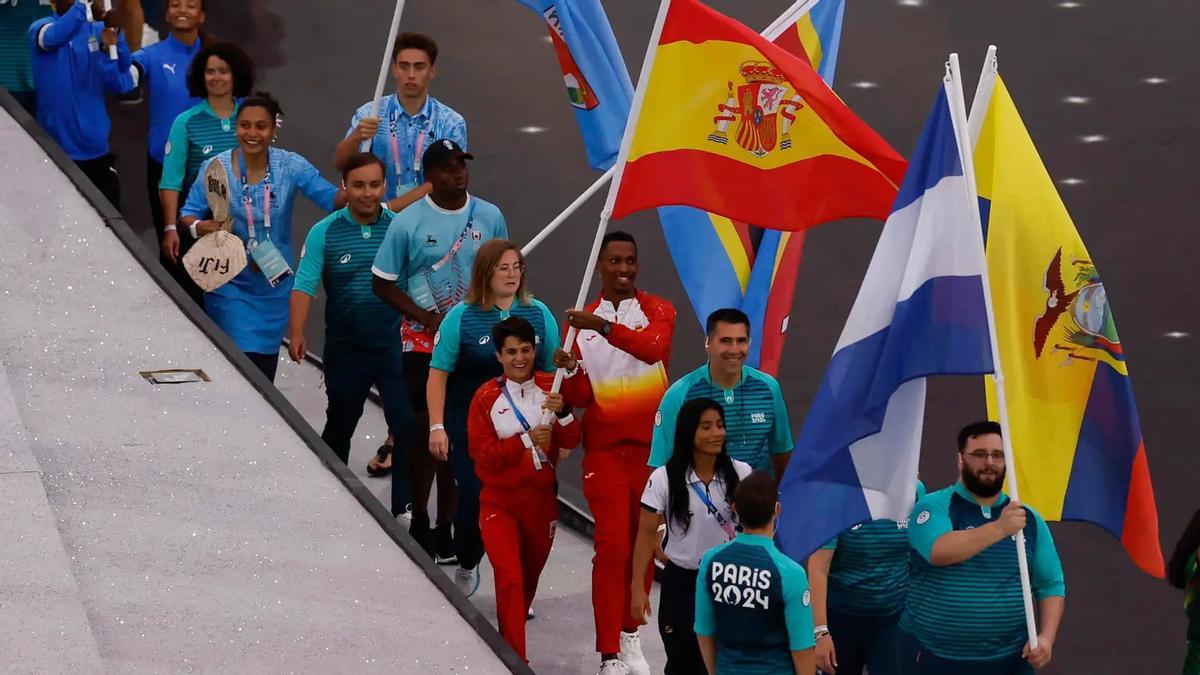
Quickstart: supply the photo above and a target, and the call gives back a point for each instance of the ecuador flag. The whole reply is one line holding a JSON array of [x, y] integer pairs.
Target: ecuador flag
[[735, 125], [1074, 426]]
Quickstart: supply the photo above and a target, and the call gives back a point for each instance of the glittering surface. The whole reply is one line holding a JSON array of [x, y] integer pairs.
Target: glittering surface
[[201, 533]]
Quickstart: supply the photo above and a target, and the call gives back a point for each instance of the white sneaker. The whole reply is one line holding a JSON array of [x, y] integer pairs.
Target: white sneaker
[[631, 654], [405, 518], [613, 667], [530, 616], [467, 580]]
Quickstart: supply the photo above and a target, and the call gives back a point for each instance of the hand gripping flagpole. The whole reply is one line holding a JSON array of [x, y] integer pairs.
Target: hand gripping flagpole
[[773, 31], [958, 111], [635, 111], [383, 68]]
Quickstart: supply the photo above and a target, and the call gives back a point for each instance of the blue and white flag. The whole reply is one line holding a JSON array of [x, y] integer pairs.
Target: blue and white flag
[[920, 312], [595, 76]]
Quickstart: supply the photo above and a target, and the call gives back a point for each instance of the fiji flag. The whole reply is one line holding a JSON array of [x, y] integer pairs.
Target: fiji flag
[[920, 312], [597, 82]]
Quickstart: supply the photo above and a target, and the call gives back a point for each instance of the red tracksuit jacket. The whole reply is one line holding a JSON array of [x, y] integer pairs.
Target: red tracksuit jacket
[[623, 377], [497, 440]]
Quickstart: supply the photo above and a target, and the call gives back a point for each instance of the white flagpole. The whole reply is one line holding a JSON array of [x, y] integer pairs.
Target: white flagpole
[[958, 111], [567, 212], [983, 97], [635, 111], [384, 67], [788, 16], [771, 32]]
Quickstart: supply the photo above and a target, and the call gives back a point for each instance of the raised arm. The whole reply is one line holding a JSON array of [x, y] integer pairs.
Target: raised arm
[[50, 35]]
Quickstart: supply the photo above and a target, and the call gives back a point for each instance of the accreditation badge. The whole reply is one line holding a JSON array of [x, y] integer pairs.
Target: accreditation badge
[[271, 262]]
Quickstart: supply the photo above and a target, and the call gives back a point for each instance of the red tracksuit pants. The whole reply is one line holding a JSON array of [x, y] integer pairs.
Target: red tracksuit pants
[[518, 527], [613, 480]]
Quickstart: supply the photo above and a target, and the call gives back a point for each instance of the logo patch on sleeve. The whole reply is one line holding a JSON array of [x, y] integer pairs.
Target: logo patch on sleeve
[[922, 518], [437, 337], [658, 418], [807, 598]]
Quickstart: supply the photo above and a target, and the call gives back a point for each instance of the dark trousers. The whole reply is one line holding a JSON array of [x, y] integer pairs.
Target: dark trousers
[[267, 363], [154, 171], [102, 171], [676, 621], [468, 543], [349, 373], [916, 660], [28, 101], [864, 642]]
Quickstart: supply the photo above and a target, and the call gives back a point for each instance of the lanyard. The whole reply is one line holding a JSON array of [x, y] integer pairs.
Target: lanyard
[[403, 173], [538, 456], [454, 249], [712, 509], [511, 402], [253, 240]]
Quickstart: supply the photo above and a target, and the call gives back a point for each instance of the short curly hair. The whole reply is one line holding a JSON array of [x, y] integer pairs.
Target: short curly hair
[[239, 62]]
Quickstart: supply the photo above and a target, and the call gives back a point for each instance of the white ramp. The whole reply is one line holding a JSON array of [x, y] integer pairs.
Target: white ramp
[[201, 531]]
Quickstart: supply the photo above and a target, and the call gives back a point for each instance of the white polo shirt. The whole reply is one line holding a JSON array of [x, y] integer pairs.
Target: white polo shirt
[[686, 548]]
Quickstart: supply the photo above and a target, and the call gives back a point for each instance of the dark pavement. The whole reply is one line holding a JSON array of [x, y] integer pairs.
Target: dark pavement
[[1106, 90]]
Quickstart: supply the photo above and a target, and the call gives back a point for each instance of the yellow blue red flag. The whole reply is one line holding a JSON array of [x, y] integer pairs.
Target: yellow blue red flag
[[778, 149], [719, 261], [1072, 419]]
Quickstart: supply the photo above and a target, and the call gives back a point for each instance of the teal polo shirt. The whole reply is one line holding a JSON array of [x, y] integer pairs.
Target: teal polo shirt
[[973, 610], [756, 418], [754, 601], [869, 572], [339, 251]]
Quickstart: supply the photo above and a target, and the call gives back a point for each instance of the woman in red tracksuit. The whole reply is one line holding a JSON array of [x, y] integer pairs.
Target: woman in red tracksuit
[[515, 453]]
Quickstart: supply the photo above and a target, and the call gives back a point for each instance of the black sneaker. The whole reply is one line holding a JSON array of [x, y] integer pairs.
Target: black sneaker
[[443, 546], [419, 529]]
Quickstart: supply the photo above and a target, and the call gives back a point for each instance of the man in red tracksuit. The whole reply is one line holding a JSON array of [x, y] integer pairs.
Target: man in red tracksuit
[[515, 453], [618, 374]]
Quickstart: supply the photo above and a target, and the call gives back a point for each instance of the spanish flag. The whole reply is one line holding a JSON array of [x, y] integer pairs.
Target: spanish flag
[[737, 126], [1072, 420]]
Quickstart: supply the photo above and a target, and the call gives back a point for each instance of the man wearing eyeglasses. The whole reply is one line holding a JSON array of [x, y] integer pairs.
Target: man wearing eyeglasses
[[965, 611]]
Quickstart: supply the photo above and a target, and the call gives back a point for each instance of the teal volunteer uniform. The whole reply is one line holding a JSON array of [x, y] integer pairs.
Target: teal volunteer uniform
[[361, 349], [195, 136], [970, 616], [867, 585], [754, 601], [463, 347], [756, 419], [402, 138]]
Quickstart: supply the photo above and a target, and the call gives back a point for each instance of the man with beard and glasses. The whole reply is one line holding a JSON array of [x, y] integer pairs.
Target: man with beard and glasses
[[965, 612]]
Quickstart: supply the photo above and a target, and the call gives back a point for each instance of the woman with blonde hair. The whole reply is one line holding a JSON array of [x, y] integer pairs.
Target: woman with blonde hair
[[463, 360]]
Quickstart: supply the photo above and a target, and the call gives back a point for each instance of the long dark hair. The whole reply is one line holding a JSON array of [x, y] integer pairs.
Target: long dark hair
[[1186, 548], [686, 424]]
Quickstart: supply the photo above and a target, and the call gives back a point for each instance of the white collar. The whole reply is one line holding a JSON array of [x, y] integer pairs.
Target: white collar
[[520, 388], [693, 478], [435, 207]]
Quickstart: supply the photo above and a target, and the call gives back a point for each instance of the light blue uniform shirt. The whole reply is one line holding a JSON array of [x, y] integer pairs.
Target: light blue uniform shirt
[[403, 138], [423, 234], [248, 309], [164, 68]]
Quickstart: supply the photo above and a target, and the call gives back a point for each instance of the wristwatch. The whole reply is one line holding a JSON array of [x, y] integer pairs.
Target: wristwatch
[[606, 328]]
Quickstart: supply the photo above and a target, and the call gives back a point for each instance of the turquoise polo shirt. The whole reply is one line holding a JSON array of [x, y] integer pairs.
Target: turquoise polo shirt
[[754, 601], [974, 610], [756, 418]]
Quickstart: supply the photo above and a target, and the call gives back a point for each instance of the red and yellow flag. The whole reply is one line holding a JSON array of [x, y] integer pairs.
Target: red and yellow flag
[[737, 126]]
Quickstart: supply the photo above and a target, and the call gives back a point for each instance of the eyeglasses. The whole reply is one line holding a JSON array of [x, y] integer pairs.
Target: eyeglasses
[[997, 456], [505, 269]]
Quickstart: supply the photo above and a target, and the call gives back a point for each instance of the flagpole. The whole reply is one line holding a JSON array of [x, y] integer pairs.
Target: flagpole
[[567, 212], [983, 97], [771, 32], [635, 111], [958, 111], [383, 68], [788, 16]]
